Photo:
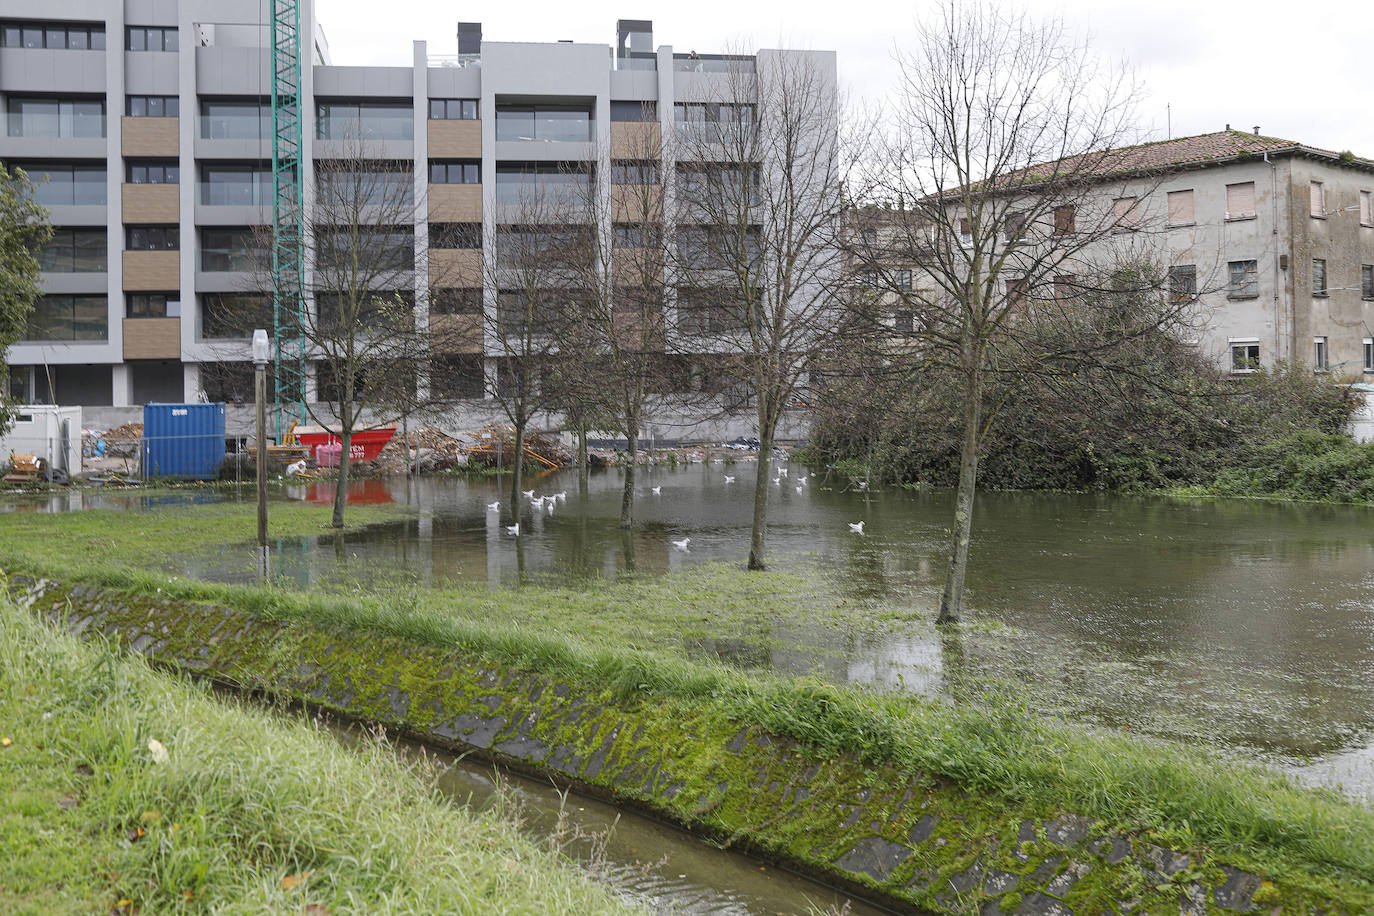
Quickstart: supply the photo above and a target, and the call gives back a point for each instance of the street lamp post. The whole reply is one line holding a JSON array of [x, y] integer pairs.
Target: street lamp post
[[261, 352]]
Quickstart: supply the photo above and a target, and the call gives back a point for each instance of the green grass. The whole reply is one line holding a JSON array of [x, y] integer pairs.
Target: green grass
[[244, 806]]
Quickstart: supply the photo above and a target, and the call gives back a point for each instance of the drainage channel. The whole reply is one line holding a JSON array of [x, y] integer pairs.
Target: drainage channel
[[653, 863]]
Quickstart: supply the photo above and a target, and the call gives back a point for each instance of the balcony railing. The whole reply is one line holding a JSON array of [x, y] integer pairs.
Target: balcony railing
[[55, 126], [257, 193], [235, 127]]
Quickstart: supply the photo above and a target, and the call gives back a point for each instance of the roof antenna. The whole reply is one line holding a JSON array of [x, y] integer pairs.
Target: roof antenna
[[1168, 121]]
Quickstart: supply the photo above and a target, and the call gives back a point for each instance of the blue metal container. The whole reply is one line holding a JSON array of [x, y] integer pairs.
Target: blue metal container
[[183, 440]]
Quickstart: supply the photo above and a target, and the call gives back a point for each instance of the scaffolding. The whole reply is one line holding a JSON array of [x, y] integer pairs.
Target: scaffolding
[[288, 277]]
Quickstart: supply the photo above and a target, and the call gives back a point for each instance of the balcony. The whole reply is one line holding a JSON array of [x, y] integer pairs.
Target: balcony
[[234, 136], [41, 134], [151, 203], [152, 338], [152, 271], [454, 139], [455, 203], [455, 267]]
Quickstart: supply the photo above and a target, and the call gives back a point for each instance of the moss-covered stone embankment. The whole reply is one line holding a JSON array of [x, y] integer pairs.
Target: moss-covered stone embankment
[[722, 763]]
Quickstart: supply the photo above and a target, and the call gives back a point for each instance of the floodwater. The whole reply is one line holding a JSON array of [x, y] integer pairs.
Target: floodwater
[[1244, 625], [657, 866]]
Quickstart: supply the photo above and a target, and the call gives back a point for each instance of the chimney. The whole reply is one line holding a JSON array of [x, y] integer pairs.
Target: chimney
[[469, 38], [1256, 130], [1228, 126]]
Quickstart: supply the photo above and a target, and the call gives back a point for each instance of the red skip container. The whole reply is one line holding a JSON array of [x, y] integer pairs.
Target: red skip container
[[366, 445]]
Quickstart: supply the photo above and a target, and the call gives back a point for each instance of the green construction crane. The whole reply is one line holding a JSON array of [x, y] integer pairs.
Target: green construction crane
[[288, 276]]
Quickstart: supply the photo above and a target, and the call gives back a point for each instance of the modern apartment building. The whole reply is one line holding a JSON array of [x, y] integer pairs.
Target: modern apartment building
[[151, 121]]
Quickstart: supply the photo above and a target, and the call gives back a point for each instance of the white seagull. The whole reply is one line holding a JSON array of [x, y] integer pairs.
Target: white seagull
[[863, 484], [782, 472], [657, 491], [537, 502], [529, 494], [799, 489], [777, 481], [729, 480], [802, 480], [494, 507], [561, 496], [856, 527], [297, 467], [513, 529], [682, 544]]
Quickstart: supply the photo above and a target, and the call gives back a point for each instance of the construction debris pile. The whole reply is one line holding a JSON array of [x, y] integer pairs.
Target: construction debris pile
[[122, 441], [495, 445]]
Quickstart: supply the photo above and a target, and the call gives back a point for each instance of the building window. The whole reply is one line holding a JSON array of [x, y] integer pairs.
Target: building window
[[1124, 217], [468, 171], [1244, 280], [340, 120], [1367, 281], [450, 301], [1064, 286], [153, 106], [1318, 198], [548, 123], [153, 238], [343, 187], [1319, 360], [1240, 200], [965, 232], [1367, 208], [74, 251], [453, 109], [229, 316], [1245, 355], [634, 111], [636, 235], [56, 118], [1182, 282], [714, 122], [1064, 219], [455, 235], [154, 172], [1181, 208], [235, 120], [1014, 226], [629, 171], [1369, 354], [64, 36], [542, 190], [151, 38], [233, 250], [901, 279], [904, 321], [236, 185], [67, 185], [152, 305], [1319, 276], [1018, 293], [69, 318]]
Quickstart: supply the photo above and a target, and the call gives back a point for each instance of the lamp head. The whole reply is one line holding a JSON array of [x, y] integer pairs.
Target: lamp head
[[262, 350]]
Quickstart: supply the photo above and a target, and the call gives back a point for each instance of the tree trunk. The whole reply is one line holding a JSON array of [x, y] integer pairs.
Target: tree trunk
[[952, 599], [761, 480], [627, 494], [582, 456], [341, 489], [517, 481]]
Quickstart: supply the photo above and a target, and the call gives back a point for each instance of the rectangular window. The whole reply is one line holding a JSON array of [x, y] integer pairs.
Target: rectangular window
[[1367, 281], [453, 109], [547, 123], [56, 118], [634, 111], [904, 321], [74, 251], [343, 187], [153, 238], [1124, 217], [153, 106], [629, 171], [1319, 360], [1181, 208], [66, 36], [1064, 286], [542, 190], [233, 250], [348, 120], [636, 235], [58, 317], [1182, 282], [1240, 200], [1244, 283], [152, 305], [235, 119], [151, 38], [455, 235], [455, 301], [1318, 199], [1245, 355], [1064, 219], [1367, 208], [1319, 276], [233, 315], [374, 252], [455, 171], [1018, 292], [714, 122], [236, 185], [1369, 354], [1015, 226], [67, 185], [159, 171], [901, 279], [965, 231]]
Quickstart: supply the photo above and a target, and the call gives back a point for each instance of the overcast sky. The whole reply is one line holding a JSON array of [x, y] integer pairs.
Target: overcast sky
[[1214, 62]]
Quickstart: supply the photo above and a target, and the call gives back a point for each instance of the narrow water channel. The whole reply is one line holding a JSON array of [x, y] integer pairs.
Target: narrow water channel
[[658, 866]]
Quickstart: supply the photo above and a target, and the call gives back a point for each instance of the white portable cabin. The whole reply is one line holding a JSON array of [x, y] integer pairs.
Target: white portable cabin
[[50, 432]]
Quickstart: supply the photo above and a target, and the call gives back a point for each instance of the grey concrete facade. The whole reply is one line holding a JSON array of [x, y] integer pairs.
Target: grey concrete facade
[[222, 55]]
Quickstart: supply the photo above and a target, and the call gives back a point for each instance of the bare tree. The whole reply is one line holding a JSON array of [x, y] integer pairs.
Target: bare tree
[[757, 205], [1003, 177]]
